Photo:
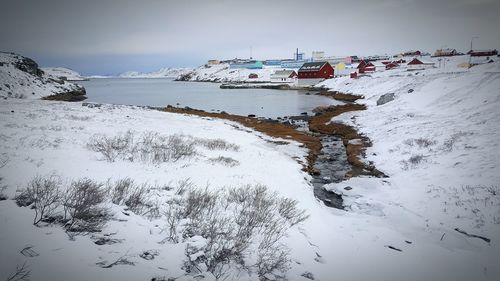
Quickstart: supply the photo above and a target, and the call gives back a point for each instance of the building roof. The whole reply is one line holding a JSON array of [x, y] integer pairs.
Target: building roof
[[312, 66], [283, 73], [415, 61]]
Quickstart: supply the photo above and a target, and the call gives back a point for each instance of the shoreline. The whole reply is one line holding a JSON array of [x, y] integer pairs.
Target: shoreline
[[319, 124]]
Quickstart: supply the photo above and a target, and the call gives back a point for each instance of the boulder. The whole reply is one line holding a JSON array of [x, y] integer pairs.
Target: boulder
[[385, 98]]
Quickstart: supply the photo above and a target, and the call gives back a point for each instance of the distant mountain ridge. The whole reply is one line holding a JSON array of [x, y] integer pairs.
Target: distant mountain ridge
[[162, 73]]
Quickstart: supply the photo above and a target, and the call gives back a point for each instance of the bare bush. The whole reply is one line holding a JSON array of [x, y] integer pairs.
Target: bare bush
[[83, 202], [450, 142], [235, 224], [217, 144], [22, 273], [43, 193], [112, 147], [127, 192], [183, 185], [149, 147], [3, 196], [420, 142], [413, 162], [226, 161]]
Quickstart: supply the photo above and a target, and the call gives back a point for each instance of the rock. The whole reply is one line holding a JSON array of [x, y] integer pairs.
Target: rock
[[30, 66], [385, 98], [149, 255], [308, 275]]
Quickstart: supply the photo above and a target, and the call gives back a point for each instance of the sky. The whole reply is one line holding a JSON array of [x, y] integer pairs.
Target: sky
[[109, 37]]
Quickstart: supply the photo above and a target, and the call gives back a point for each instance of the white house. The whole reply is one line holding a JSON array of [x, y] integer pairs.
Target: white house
[[284, 76]]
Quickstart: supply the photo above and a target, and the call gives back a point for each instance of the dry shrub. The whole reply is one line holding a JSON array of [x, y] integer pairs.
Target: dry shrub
[[235, 224], [126, 192], [43, 193], [150, 147], [226, 161], [84, 203]]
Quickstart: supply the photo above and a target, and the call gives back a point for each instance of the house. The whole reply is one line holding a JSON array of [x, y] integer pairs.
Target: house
[[412, 53], [417, 64], [445, 52], [364, 67], [311, 73], [391, 65], [250, 64], [284, 76], [482, 53], [213, 62]]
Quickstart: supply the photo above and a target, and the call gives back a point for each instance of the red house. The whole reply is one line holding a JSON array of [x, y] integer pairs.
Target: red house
[[391, 65], [311, 73], [482, 53], [366, 67]]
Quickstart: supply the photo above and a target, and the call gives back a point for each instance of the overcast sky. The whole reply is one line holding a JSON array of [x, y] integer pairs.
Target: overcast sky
[[109, 37]]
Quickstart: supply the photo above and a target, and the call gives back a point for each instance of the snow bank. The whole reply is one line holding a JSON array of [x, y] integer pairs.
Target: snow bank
[[21, 78]]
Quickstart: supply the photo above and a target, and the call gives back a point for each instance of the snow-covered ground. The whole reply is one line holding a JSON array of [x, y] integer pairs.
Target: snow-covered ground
[[64, 73], [20, 77], [438, 142]]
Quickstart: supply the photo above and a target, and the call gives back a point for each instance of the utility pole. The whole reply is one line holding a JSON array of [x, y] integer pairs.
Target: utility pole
[[470, 57]]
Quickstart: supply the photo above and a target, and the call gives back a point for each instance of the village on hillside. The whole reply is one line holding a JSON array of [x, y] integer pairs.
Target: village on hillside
[[309, 71]]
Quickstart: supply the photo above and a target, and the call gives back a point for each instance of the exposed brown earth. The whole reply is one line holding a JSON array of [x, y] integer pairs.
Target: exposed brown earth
[[270, 128]]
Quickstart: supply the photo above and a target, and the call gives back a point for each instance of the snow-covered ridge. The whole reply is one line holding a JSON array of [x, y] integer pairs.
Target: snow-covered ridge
[[64, 73], [22, 78], [162, 73], [222, 73]]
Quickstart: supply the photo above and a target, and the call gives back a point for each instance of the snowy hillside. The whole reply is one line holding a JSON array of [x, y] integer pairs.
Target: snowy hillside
[[162, 73], [222, 73], [438, 141], [64, 73], [21, 78]]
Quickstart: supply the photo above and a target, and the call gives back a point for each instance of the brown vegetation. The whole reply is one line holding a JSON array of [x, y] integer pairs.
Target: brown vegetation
[[341, 96], [273, 129], [72, 96]]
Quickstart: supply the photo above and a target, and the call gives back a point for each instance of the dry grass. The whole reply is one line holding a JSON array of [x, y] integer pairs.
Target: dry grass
[[272, 129], [341, 96]]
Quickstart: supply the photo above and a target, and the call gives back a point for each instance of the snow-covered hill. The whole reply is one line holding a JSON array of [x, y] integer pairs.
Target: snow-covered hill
[[162, 73], [64, 73], [222, 73], [22, 78], [439, 143]]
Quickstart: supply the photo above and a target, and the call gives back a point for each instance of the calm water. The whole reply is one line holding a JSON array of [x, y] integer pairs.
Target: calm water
[[200, 95]]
